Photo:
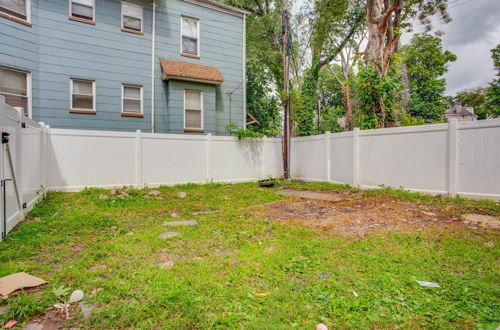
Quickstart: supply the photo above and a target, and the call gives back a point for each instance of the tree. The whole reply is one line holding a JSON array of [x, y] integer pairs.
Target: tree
[[425, 62], [493, 95], [386, 20], [332, 26]]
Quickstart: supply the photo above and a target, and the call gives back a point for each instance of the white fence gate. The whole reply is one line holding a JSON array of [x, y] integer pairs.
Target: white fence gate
[[21, 165]]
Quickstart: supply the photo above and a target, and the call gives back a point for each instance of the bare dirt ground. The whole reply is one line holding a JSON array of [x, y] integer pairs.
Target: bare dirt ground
[[354, 214]]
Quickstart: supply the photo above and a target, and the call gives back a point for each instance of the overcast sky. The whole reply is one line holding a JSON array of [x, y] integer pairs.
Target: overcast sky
[[473, 31]]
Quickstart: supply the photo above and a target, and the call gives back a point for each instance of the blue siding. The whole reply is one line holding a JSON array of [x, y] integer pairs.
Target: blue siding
[[56, 49]]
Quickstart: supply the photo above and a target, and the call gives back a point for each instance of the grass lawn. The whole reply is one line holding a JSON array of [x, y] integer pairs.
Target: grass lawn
[[236, 270]]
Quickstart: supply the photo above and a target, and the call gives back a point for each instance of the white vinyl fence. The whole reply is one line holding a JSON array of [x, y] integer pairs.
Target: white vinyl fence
[[456, 158]]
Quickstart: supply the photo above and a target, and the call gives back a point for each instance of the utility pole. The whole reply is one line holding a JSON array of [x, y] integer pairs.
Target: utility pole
[[286, 103]]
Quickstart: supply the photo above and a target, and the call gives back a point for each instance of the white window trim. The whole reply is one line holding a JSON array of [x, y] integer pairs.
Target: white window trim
[[70, 13], [28, 88], [201, 106], [28, 12], [197, 35], [142, 15], [142, 97], [71, 94]]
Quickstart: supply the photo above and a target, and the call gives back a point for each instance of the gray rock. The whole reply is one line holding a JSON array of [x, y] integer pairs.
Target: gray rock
[[168, 234], [33, 326], [86, 309], [181, 223], [155, 193], [490, 244]]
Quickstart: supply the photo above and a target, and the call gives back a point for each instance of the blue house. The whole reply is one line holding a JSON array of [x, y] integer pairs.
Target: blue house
[[167, 66]]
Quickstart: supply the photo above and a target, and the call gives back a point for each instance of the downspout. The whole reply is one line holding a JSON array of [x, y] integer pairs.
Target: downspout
[[244, 71], [153, 37]]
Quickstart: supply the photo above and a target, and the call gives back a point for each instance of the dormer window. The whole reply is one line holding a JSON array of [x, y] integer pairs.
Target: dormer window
[[190, 37]]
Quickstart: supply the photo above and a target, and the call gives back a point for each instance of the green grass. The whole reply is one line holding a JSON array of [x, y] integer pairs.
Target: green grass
[[238, 271]]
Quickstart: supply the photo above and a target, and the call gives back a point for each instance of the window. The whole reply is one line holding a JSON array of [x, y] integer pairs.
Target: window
[[190, 41], [132, 99], [82, 95], [14, 87], [131, 16], [82, 9], [193, 109], [15, 8]]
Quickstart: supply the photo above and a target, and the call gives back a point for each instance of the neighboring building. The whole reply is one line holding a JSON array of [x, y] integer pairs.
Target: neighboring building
[[461, 113], [89, 64]]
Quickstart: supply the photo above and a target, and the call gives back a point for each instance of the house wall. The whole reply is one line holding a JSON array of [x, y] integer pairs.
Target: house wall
[[221, 45], [55, 49]]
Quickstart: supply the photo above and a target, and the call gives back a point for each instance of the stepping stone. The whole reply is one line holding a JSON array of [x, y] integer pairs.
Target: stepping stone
[[312, 195], [182, 223], [168, 234]]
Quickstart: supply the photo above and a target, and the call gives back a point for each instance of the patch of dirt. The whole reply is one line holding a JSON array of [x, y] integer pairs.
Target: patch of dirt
[[167, 259], [354, 214], [482, 220], [55, 318]]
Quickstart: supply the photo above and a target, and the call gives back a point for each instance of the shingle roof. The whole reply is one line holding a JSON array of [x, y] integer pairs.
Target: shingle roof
[[459, 109], [189, 71]]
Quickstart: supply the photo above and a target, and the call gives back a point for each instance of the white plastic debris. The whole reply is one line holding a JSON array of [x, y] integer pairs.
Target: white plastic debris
[[182, 194], [428, 284], [76, 296]]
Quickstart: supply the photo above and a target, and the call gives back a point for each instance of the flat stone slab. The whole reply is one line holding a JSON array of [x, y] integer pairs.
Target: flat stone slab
[[168, 234], [311, 195], [181, 223]]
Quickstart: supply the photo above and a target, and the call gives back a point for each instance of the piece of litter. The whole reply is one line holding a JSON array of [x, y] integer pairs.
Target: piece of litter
[[174, 215], [323, 296], [428, 284], [262, 294], [453, 219], [182, 194], [324, 277], [10, 324], [76, 296], [18, 281], [130, 233], [355, 294], [321, 326], [490, 244]]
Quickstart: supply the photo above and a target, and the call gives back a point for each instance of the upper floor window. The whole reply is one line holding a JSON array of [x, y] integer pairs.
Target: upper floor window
[[193, 110], [132, 100], [131, 16], [190, 36], [82, 9], [14, 87], [15, 8], [82, 95]]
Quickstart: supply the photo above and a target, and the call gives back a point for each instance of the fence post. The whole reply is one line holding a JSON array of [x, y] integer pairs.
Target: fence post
[[48, 141], [452, 157], [207, 159], [18, 166], [355, 147], [327, 155], [138, 158]]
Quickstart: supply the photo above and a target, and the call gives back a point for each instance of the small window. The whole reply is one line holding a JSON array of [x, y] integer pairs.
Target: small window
[[131, 16], [14, 87], [132, 99], [83, 9], [193, 109], [16, 8], [82, 95], [190, 31]]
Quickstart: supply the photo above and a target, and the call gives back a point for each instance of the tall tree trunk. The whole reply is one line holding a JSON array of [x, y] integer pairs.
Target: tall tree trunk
[[382, 42], [346, 99]]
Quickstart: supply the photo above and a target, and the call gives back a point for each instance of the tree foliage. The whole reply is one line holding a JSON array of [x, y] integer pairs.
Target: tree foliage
[[426, 62]]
